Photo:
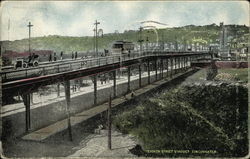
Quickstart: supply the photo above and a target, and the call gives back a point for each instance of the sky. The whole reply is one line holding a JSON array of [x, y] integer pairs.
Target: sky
[[76, 18]]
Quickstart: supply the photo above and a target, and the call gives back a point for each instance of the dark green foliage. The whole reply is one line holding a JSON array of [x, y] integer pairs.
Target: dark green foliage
[[191, 118], [187, 34]]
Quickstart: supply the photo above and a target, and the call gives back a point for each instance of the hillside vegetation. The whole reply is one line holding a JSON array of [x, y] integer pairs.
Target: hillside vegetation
[[187, 34], [190, 118]]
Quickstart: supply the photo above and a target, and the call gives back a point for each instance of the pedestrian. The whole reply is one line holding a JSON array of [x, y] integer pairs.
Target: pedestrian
[[72, 55], [54, 56], [61, 55], [50, 57], [132, 94], [76, 55]]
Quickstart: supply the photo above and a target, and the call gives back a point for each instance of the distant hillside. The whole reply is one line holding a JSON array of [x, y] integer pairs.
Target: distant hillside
[[187, 34]]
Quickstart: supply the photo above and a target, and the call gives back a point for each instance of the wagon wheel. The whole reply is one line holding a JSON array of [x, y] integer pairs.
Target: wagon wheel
[[35, 63], [25, 65]]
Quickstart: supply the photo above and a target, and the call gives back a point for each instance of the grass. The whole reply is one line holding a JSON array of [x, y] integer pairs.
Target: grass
[[240, 74]]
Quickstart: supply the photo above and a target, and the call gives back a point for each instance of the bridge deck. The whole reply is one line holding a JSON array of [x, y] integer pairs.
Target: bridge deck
[[59, 126]]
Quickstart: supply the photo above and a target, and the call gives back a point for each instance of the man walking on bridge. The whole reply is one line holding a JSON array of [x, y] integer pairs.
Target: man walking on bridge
[[54, 56], [61, 55], [75, 55]]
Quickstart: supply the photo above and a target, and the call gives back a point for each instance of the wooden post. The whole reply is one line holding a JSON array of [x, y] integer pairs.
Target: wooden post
[[95, 90], [26, 100], [109, 124], [139, 75], [67, 95], [114, 87], [148, 72], [128, 90]]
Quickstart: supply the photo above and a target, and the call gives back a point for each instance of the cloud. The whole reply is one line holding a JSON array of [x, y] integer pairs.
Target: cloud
[[75, 18]]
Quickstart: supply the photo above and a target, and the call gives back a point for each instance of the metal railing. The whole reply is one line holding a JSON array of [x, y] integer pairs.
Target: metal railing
[[78, 64]]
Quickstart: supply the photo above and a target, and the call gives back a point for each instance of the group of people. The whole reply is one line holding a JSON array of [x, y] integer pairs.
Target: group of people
[[74, 55], [54, 57], [104, 78]]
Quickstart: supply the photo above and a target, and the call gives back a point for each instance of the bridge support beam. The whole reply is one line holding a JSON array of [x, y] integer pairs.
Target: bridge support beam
[[179, 65], [162, 68], [175, 66], [171, 69], [26, 100], [95, 90], [155, 62], [167, 67], [182, 64], [114, 80], [31, 98], [148, 72], [139, 75], [67, 95], [128, 90], [58, 89]]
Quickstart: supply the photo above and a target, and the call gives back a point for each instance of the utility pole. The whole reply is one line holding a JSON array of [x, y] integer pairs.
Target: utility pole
[[29, 25], [163, 43], [109, 124], [140, 38], [94, 40], [96, 44]]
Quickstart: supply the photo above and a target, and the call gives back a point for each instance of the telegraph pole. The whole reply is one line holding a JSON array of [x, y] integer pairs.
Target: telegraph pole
[[29, 25], [94, 41], [96, 44], [140, 39], [109, 124]]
